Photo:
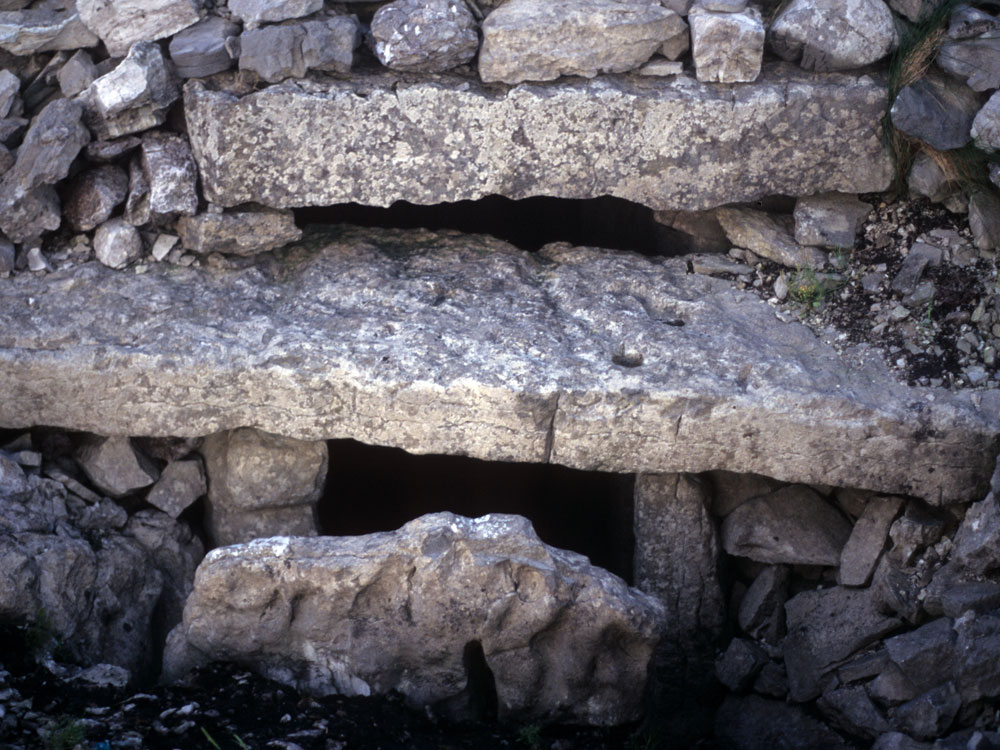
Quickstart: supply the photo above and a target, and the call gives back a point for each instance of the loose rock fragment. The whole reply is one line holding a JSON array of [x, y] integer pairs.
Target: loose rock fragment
[[117, 243], [937, 111], [31, 215], [243, 231], [757, 231], [77, 74], [200, 50], [122, 23], [92, 195], [868, 537], [51, 144], [114, 466], [27, 32], [171, 177], [179, 485], [727, 47], [984, 219], [290, 50], [740, 664], [762, 611], [830, 220]]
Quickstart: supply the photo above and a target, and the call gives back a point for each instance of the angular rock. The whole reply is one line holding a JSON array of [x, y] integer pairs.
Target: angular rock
[[757, 231], [740, 664], [793, 525], [407, 611], [424, 35], [678, 41], [762, 611], [114, 466], [170, 176], [250, 471], [92, 195], [200, 50], [825, 627], [853, 711], [117, 243], [726, 47], [275, 53], [975, 596], [247, 230], [977, 542], [925, 655], [10, 88], [338, 337], [51, 144], [892, 687], [929, 715], [32, 215], [109, 151], [830, 220], [77, 74], [27, 32], [731, 489], [755, 723], [928, 179], [713, 264], [833, 34], [978, 669], [917, 529], [285, 147], [868, 537], [936, 111], [908, 276], [984, 219], [122, 23], [986, 126], [967, 22], [254, 12], [540, 40], [975, 61], [863, 667], [677, 551], [179, 485], [702, 231], [899, 588]]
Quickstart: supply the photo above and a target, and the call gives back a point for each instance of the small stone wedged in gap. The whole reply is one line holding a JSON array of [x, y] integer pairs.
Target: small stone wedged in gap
[[200, 50], [424, 35], [761, 614], [246, 230], [759, 232], [169, 180], [254, 12], [114, 466], [740, 664], [727, 47], [92, 196], [830, 220], [77, 74], [860, 554], [117, 243], [277, 52], [179, 485]]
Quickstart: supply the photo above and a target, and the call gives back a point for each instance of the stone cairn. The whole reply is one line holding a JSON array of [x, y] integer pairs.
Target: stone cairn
[[819, 539]]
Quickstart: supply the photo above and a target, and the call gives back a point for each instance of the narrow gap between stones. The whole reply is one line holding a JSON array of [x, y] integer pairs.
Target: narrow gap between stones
[[481, 686], [371, 488]]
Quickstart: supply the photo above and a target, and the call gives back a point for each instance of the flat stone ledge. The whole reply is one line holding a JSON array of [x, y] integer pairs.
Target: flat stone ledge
[[666, 143], [449, 343]]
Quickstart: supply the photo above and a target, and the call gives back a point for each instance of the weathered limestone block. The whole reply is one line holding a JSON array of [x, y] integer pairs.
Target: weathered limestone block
[[665, 143], [446, 343], [409, 610], [262, 485], [121, 23], [540, 40]]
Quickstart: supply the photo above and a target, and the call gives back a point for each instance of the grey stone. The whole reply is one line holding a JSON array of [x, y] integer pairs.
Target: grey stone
[[117, 243], [713, 264], [122, 23], [657, 67], [539, 617], [311, 143], [975, 596], [540, 40], [7, 256], [793, 525], [702, 230], [731, 489], [908, 276], [10, 88], [114, 466], [179, 485], [27, 32], [975, 61], [757, 231], [852, 710], [925, 655], [277, 52], [109, 151], [755, 723], [726, 47], [255, 12], [772, 681], [31, 215], [868, 537], [977, 647], [104, 675], [741, 662], [677, 552], [678, 41], [76, 74], [286, 344], [928, 179], [91, 196], [986, 126], [251, 472], [918, 528], [722, 6], [892, 687], [200, 50], [825, 627], [967, 21], [929, 715], [899, 588], [899, 741], [977, 542], [833, 35], [984, 219], [424, 35], [762, 610], [914, 10], [863, 667], [936, 111], [247, 230], [171, 177], [830, 220]]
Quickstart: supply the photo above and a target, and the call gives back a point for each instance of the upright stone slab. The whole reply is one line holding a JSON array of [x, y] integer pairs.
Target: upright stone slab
[[666, 143]]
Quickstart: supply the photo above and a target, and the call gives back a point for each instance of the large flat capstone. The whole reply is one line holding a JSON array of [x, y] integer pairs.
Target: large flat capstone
[[458, 344], [666, 143]]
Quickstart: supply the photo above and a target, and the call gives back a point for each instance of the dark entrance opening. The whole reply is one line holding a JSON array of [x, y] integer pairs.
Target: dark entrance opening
[[370, 488], [529, 223]]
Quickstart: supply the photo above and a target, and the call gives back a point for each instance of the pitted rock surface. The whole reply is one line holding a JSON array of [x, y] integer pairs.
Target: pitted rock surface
[[450, 343], [401, 610], [666, 143]]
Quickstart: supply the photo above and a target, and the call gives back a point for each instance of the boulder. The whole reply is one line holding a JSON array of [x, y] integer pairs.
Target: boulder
[[114, 466], [936, 111], [254, 12], [833, 34], [449, 611], [793, 525], [867, 540], [448, 343], [122, 23], [92, 196], [200, 50], [830, 220], [757, 231], [424, 35], [27, 32], [726, 47], [246, 230], [261, 484], [540, 40]]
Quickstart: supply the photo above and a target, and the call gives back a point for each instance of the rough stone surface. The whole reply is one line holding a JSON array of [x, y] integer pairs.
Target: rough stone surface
[[179, 485], [678, 41], [540, 40], [53, 140], [986, 126], [978, 669], [830, 220], [77, 74], [244, 231], [200, 50], [937, 111], [257, 479], [255, 12], [117, 243], [976, 61], [825, 627], [31, 215], [977, 543], [665, 143], [740, 664], [755, 723], [424, 35], [975, 596], [114, 466], [171, 176], [924, 655], [928, 179], [121, 23], [407, 610], [92, 195], [793, 525], [726, 47], [677, 551], [757, 231], [762, 610], [868, 537], [853, 711], [984, 219], [929, 715], [441, 343], [833, 34], [26, 32], [731, 489], [275, 53]]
